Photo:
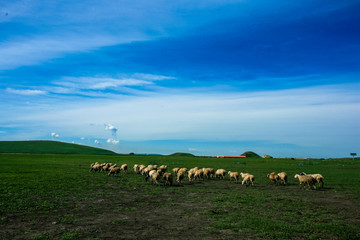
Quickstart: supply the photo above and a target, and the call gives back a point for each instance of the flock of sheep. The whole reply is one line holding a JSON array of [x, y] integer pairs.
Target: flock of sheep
[[158, 173]]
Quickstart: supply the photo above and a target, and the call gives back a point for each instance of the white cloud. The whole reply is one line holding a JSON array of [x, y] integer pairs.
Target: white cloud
[[100, 83], [30, 92], [113, 141], [110, 127], [38, 49], [55, 135]]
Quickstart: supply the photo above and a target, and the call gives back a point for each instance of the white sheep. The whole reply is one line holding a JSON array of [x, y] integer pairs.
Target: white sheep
[[208, 172], [318, 177], [168, 178], [283, 177], [155, 176], [180, 176], [247, 178], [176, 170], [191, 175], [220, 173], [199, 174], [136, 168], [114, 170], [163, 168], [306, 179], [95, 167], [234, 175], [124, 167]]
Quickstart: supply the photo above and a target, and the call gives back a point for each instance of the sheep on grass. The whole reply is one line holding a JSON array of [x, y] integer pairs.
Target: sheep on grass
[[283, 177], [274, 178], [220, 173], [247, 178], [234, 175], [318, 177], [306, 179], [114, 171]]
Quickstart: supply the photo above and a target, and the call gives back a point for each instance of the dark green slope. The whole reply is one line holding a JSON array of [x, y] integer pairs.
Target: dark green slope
[[180, 154], [49, 147]]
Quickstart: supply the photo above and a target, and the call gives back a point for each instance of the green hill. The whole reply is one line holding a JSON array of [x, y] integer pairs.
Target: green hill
[[250, 154], [49, 147], [180, 154]]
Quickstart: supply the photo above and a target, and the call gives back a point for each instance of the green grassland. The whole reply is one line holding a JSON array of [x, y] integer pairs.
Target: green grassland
[[54, 196]]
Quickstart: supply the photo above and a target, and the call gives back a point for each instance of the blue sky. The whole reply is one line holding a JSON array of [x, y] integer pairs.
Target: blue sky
[[206, 77]]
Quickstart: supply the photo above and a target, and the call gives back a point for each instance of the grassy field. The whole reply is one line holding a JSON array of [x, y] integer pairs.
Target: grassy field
[[44, 196]]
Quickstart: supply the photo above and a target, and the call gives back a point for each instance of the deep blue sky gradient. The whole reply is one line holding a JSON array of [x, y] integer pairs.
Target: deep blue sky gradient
[[279, 58]]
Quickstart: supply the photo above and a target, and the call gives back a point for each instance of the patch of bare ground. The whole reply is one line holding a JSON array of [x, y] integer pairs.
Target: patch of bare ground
[[155, 212]]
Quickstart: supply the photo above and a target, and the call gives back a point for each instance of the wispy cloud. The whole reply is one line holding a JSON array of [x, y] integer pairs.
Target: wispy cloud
[[99, 83], [29, 92], [25, 52]]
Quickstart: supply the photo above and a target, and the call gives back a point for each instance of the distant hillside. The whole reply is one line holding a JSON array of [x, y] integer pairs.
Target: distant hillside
[[180, 154], [49, 147], [250, 154]]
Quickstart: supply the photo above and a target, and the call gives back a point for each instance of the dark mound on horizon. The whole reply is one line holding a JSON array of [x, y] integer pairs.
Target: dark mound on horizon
[[180, 154], [250, 154], [50, 147]]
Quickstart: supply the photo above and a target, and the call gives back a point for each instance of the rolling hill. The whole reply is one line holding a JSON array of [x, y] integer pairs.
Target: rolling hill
[[50, 147], [180, 154]]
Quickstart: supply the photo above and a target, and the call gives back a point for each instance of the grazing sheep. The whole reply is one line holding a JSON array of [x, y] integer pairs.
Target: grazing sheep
[[193, 170], [191, 175], [234, 175], [180, 176], [273, 177], [145, 171], [136, 168], [176, 170], [306, 179], [318, 177], [163, 168], [124, 167], [283, 177], [106, 167], [114, 170], [199, 174], [155, 176], [168, 178], [183, 170], [208, 172], [141, 169], [247, 178], [95, 167], [220, 173]]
